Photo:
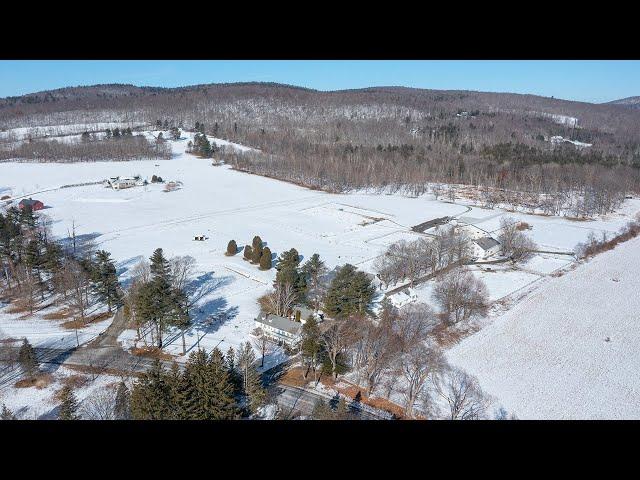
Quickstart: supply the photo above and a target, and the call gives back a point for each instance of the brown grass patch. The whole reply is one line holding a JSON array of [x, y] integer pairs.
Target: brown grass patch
[[75, 381], [523, 226], [78, 323], [39, 381], [151, 352], [448, 335], [58, 315]]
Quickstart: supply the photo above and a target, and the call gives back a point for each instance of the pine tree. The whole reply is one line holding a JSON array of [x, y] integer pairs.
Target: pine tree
[[232, 248], [310, 345], [265, 259], [157, 301], [288, 273], [151, 395], [122, 407], [256, 253], [247, 252], [208, 390], [105, 280], [349, 293], [313, 270], [6, 414], [251, 384], [27, 359], [68, 405], [256, 243]]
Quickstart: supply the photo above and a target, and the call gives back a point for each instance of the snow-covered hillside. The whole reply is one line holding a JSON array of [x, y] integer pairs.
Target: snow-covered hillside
[[570, 350]]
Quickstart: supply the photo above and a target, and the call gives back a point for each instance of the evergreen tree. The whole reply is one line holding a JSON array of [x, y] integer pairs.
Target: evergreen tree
[[247, 252], [151, 395], [232, 248], [105, 280], [208, 391], [6, 414], [257, 242], [251, 383], [288, 273], [27, 359], [349, 293], [68, 405], [225, 404], [122, 407], [256, 254], [157, 301], [310, 346], [265, 259], [313, 270]]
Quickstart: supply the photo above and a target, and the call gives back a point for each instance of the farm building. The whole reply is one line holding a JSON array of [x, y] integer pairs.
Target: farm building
[[118, 183], [29, 202], [485, 247], [280, 329]]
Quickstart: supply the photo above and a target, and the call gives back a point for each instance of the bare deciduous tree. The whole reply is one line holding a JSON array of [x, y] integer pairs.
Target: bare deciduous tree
[[416, 366], [463, 395], [460, 294], [514, 243]]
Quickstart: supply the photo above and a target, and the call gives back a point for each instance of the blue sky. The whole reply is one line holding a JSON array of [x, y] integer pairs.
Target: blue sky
[[589, 81]]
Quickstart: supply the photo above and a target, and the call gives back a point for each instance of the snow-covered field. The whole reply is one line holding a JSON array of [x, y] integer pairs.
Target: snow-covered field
[[224, 204], [569, 350]]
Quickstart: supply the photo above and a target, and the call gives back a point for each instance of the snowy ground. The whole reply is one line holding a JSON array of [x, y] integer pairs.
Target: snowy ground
[[41, 403], [224, 204], [549, 358]]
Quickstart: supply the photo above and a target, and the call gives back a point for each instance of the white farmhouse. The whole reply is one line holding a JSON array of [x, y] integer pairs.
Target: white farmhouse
[[280, 329], [485, 247]]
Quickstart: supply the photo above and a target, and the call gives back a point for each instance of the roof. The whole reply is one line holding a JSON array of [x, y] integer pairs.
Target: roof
[[29, 201], [281, 323], [486, 243]]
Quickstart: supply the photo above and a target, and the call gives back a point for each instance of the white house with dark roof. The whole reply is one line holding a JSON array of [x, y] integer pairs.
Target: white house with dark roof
[[280, 329], [485, 247]]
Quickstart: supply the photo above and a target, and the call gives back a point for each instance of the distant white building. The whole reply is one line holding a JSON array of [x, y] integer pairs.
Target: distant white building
[[119, 183], [280, 329]]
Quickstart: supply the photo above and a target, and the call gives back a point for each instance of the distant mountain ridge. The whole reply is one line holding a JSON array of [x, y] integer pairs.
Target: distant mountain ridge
[[630, 102]]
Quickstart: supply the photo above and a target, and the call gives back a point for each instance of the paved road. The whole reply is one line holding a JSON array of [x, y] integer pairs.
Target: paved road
[[296, 401]]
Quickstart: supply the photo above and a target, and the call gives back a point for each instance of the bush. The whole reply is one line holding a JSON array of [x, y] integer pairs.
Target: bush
[[232, 248]]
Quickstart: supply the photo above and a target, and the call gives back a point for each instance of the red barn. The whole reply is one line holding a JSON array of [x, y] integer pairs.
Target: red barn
[[29, 202]]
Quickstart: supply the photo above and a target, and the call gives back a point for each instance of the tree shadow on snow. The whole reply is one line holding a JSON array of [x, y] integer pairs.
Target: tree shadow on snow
[[83, 243]]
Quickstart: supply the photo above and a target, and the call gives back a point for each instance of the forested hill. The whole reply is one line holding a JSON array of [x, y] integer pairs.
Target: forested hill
[[390, 137]]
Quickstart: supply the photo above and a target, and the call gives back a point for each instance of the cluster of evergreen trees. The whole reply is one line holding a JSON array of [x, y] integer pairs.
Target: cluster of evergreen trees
[[35, 266], [201, 146], [255, 253], [117, 133], [211, 387]]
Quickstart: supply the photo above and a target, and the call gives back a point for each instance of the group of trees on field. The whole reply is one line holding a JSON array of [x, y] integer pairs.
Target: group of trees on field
[[255, 253], [36, 267], [120, 148], [411, 260]]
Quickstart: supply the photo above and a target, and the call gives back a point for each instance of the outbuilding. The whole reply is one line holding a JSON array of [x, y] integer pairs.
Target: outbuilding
[[29, 202]]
